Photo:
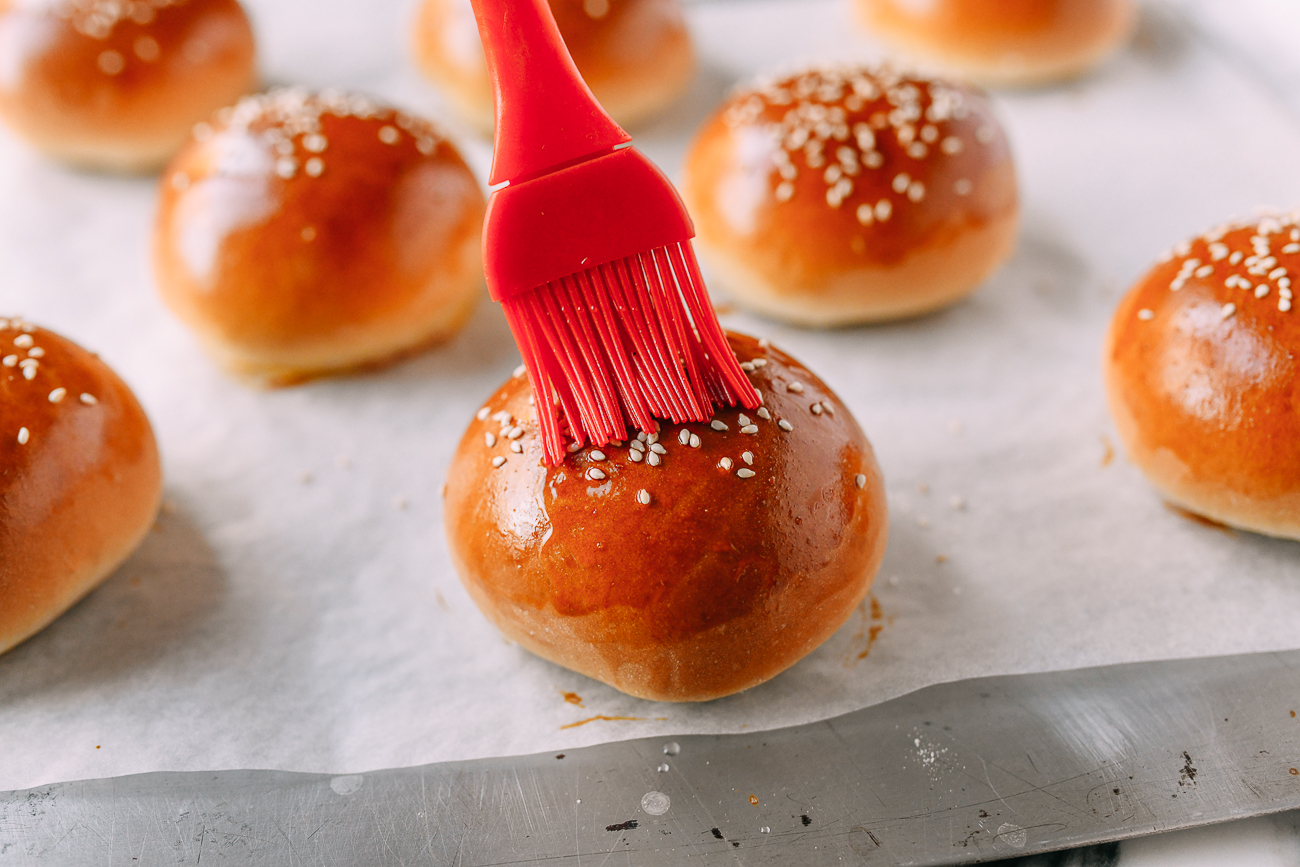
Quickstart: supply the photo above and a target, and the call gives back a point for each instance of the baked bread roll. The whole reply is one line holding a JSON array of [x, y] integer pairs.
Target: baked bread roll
[[848, 194], [80, 480], [302, 234], [693, 564], [117, 84], [1202, 374], [1004, 42], [635, 55]]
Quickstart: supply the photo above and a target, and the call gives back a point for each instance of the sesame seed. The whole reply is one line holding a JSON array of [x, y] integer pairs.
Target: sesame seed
[[860, 480], [571, 448], [1291, 248], [286, 167], [750, 429], [597, 455], [916, 191], [718, 425], [951, 145], [389, 135], [23, 436], [784, 191], [482, 414], [490, 439], [314, 143], [725, 463], [1284, 304], [111, 62], [10, 360], [22, 341], [695, 441], [658, 449], [760, 362], [785, 425], [499, 461], [517, 447], [88, 399], [865, 215], [1218, 251], [314, 167], [1261, 290], [643, 497], [1236, 258], [636, 446], [652, 459], [745, 474], [651, 439], [1276, 273], [815, 409], [595, 474], [635, 456], [308, 234], [747, 457], [1205, 271], [58, 394], [684, 436], [962, 187], [29, 371], [747, 366], [514, 433], [884, 208], [1228, 310], [796, 387], [743, 419], [829, 409], [764, 414], [1145, 315], [901, 182]]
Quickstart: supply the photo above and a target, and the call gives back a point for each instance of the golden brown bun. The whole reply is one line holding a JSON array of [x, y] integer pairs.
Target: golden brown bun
[[635, 55], [851, 194], [80, 480], [303, 234], [718, 583], [1005, 42], [117, 85], [1201, 371]]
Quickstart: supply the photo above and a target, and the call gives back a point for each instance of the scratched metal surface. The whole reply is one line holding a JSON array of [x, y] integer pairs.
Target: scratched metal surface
[[962, 772]]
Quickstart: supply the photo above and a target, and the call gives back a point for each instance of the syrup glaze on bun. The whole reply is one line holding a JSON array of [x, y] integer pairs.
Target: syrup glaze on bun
[[117, 84], [303, 234], [847, 194], [1202, 368], [80, 479], [691, 564]]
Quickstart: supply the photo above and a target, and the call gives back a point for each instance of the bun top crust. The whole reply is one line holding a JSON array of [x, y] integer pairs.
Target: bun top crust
[[1203, 374], [697, 563], [118, 83], [80, 478], [293, 223], [841, 167]]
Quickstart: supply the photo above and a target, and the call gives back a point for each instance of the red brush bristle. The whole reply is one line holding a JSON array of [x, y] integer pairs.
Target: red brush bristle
[[623, 344]]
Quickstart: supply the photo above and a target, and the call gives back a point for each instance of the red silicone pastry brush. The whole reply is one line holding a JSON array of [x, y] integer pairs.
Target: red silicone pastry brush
[[587, 248]]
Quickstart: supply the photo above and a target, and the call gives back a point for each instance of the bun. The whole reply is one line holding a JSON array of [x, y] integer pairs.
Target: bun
[[635, 55], [1201, 371], [676, 578], [302, 234], [117, 85], [80, 479], [999, 42], [849, 194]]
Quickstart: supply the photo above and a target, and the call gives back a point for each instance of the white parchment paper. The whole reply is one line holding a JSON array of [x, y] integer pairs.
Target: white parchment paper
[[295, 607]]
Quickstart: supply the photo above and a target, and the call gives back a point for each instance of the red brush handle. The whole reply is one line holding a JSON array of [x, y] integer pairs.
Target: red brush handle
[[546, 115]]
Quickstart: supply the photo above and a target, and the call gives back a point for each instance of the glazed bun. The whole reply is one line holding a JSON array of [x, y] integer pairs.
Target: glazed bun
[[694, 564], [847, 194], [301, 235], [117, 84], [1201, 371], [80, 479], [635, 55], [1004, 42]]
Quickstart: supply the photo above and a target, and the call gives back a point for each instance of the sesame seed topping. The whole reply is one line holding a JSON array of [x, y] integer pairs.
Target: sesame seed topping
[[517, 447], [764, 414], [389, 135], [314, 143], [597, 455], [652, 459], [88, 399], [796, 387], [571, 448], [58, 394], [760, 362], [595, 474], [743, 419], [635, 456], [695, 441], [514, 433], [1228, 310], [1284, 304], [1144, 314], [10, 360], [23, 436], [962, 187], [314, 167], [111, 62], [636, 446], [725, 463], [29, 371], [643, 497], [651, 439], [1260, 291], [747, 457], [684, 436], [745, 473], [718, 425], [785, 425], [1235, 258], [658, 449], [22, 341], [1205, 271], [499, 461], [750, 429], [1277, 273], [828, 408], [490, 439], [747, 366], [815, 409], [860, 480], [482, 414]]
